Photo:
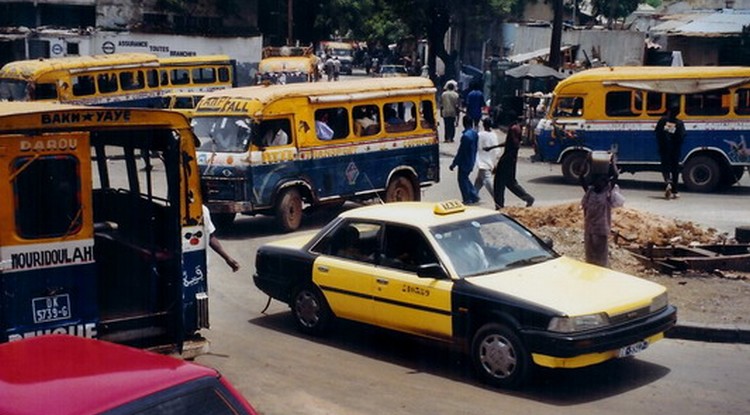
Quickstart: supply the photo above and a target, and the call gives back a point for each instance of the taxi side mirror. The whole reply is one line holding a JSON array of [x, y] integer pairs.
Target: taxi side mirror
[[548, 242], [432, 270]]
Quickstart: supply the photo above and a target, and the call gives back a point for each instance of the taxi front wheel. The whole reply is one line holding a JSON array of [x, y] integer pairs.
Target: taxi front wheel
[[310, 310], [499, 357]]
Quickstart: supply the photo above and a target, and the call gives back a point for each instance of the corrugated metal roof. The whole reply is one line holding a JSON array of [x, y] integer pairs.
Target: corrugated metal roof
[[724, 23]]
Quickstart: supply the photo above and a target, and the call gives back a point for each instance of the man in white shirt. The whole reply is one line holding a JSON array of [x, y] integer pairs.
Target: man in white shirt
[[486, 159]]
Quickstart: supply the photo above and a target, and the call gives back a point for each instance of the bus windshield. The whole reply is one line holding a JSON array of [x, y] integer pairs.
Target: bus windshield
[[13, 90], [225, 134]]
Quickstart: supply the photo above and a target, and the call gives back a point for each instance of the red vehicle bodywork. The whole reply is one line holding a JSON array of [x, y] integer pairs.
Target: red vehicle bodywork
[[61, 374]]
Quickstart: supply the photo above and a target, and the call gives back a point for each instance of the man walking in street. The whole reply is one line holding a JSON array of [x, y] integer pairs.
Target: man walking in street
[[464, 160], [670, 133], [475, 103], [449, 107], [486, 159], [505, 172]]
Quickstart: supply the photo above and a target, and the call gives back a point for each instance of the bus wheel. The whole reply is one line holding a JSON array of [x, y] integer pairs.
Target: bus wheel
[[401, 189], [289, 210], [574, 166], [223, 221], [499, 357], [310, 310], [701, 174]]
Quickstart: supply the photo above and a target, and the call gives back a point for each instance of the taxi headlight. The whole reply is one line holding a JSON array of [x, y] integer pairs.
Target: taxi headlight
[[578, 323], [659, 302]]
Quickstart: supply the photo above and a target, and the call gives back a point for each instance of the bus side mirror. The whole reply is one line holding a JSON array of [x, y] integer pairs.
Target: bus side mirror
[[432, 270]]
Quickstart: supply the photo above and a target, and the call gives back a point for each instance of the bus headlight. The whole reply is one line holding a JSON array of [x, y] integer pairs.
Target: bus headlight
[[578, 323], [659, 302]]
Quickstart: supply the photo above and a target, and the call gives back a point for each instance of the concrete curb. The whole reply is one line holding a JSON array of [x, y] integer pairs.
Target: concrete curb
[[716, 333]]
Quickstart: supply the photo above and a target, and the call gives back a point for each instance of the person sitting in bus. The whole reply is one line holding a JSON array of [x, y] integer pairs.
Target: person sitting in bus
[[391, 116], [322, 130], [365, 123], [275, 136]]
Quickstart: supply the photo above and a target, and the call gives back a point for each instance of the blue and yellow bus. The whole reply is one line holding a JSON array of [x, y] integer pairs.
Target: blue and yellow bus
[[616, 109], [123, 79], [279, 148], [197, 74], [95, 240]]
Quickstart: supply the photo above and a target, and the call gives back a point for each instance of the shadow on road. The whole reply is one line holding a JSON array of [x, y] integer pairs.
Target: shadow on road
[[564, 387]]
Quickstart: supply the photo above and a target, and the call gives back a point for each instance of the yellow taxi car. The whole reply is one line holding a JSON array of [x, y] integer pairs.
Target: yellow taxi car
[[469, 276]]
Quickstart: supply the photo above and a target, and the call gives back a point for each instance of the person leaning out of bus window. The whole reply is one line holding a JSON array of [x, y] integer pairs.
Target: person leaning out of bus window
[[322, 129]]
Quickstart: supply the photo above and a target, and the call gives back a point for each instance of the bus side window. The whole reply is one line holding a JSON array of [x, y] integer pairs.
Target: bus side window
[[427, 115], [54, 211], [204, 75], [742, 102], [180, 76], [164, 77], [337, 119], [45, 91], [152, 78], [83, 85], [399, 116], [131, 80], [618, 104], [707, 103], [366, 120], [224, 74], [106, 83]]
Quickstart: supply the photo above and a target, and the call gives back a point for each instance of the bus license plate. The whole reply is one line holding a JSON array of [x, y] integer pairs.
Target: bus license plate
[[633, 349], [52, 308]]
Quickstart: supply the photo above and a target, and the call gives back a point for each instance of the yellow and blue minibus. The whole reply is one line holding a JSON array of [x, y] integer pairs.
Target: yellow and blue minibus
[[616, 109], [95, 239], [197, 74], [123, 79], [276, 149]]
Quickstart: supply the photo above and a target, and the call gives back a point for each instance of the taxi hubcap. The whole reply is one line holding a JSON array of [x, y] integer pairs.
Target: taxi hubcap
[[307, 309], [497, 356]]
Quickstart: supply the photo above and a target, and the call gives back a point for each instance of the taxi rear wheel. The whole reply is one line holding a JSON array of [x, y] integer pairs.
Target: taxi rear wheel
[[499, 357], [310, 310]]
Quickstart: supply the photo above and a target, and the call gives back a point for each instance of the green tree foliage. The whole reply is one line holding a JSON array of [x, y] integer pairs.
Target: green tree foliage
[[614, 9]]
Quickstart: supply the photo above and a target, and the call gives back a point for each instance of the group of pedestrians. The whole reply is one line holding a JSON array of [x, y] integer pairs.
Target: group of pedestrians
[[479, 148]]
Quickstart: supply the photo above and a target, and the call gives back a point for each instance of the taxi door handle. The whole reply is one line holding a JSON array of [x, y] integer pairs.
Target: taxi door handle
[[382, 281], [322, 269]]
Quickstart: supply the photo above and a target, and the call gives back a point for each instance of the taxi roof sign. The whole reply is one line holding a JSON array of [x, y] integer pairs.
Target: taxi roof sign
[[448, 207]]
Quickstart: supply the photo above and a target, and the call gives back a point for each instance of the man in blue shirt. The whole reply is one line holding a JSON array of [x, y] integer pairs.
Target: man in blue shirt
[[474, 104], [465, 159]]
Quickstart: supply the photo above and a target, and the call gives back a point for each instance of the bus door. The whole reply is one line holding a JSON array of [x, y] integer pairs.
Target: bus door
[[137, 240], [47, 269]]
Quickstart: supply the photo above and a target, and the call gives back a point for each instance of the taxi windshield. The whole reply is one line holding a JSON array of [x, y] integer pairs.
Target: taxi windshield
[[489, 244], [223, 134]]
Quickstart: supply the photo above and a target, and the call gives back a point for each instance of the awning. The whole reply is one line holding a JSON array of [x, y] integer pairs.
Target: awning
[[681, 86]]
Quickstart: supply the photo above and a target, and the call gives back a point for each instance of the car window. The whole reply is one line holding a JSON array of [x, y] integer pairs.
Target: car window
[[489, 244], [406, 248], [352, 240]]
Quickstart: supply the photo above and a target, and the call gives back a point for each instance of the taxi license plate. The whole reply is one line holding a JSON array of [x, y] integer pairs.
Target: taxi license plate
[[52, 308], [632, 349]]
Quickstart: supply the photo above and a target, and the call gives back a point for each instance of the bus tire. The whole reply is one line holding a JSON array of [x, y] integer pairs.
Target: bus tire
[[701, 174], [223, 221], [499, 357], [310, 310], [401, 189], [574, 166], [289, 210]]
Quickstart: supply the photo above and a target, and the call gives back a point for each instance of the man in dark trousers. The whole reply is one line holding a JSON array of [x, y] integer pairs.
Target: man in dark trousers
[[670, 133], [505, 170], [465, 159]]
